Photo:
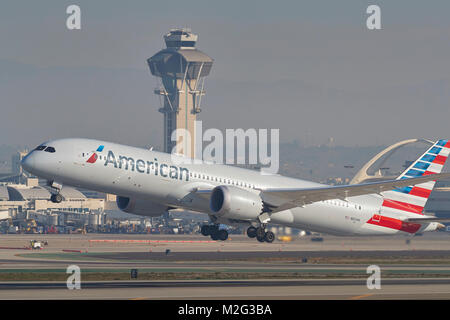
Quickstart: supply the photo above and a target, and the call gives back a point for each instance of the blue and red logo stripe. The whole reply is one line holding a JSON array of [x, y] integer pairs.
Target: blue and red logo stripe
[[440, 160], [94, 156], [420, 192], [415, 191]]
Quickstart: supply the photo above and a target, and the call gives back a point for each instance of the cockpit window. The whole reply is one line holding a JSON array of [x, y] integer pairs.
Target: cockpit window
[[50, 149], [40, 148]]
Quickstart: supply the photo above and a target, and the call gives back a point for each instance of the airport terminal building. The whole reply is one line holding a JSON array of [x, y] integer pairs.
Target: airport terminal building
[[21, 203]]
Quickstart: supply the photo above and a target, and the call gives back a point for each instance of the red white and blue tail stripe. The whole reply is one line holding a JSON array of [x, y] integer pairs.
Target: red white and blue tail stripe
[[412, 199]]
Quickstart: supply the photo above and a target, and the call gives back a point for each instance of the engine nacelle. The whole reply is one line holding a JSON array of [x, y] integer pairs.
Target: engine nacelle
[[140, 207], [235, 203]]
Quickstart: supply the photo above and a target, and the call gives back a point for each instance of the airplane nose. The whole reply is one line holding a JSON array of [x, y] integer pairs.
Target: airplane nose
[[28, 162]]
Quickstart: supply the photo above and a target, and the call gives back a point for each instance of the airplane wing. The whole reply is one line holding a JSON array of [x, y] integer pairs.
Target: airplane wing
[[203, 192], [425, 219], [279, 199]]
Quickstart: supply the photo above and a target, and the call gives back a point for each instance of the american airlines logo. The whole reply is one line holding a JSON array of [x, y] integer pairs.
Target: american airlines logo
[[94, 156], [147, 167]]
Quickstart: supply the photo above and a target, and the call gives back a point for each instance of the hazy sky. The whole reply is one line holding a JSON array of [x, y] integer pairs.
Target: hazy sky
[[310, 68]]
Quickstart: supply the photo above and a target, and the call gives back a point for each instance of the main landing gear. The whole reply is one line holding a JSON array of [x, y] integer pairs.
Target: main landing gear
[[56, 197], [260, 234], [214, 232]]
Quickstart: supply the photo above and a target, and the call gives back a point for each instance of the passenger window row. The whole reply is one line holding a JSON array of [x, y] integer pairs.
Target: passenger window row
[[223, 180]]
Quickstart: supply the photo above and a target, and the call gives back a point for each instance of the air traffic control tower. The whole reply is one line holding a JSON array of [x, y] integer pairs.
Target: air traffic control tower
[[182, 70]]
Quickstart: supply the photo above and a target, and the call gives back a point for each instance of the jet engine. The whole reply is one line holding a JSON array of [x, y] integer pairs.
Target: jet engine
[[140, 207], [235, 203]]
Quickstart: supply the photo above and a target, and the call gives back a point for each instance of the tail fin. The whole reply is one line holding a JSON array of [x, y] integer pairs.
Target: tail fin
[[412, 199]]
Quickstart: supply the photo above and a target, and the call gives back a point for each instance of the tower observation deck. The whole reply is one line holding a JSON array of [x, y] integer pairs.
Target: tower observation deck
[[182, 70]]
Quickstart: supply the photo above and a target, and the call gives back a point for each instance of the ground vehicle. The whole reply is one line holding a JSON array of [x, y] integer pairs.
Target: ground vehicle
[[35, 244]]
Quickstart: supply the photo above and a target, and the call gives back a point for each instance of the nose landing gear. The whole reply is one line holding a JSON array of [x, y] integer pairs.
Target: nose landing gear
[[56, 197]]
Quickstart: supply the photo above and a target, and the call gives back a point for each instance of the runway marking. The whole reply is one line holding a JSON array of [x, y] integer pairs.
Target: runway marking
[[361, 296], [139, 298], [149, 241]]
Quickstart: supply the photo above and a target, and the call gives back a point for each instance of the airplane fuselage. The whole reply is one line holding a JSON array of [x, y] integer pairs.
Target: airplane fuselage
[[168, 180]]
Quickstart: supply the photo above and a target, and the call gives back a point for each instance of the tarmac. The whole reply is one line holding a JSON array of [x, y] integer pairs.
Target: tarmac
[[335, 268], [342, 289]]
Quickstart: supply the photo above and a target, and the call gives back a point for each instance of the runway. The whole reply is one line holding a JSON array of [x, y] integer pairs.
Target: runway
[[353, 289], [270, 255], [237, 269], [220, 283]]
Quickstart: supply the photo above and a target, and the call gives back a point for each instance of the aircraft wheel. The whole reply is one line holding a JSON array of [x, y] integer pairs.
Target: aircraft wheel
[[269, 236], [214, 235], [260, 232], [56, 198], [214, 232], [251, 232], [222, 234], [260, 239], [205, 230]]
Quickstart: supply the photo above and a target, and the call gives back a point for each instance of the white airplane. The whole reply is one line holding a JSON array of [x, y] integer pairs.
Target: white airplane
[[150, 183]]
